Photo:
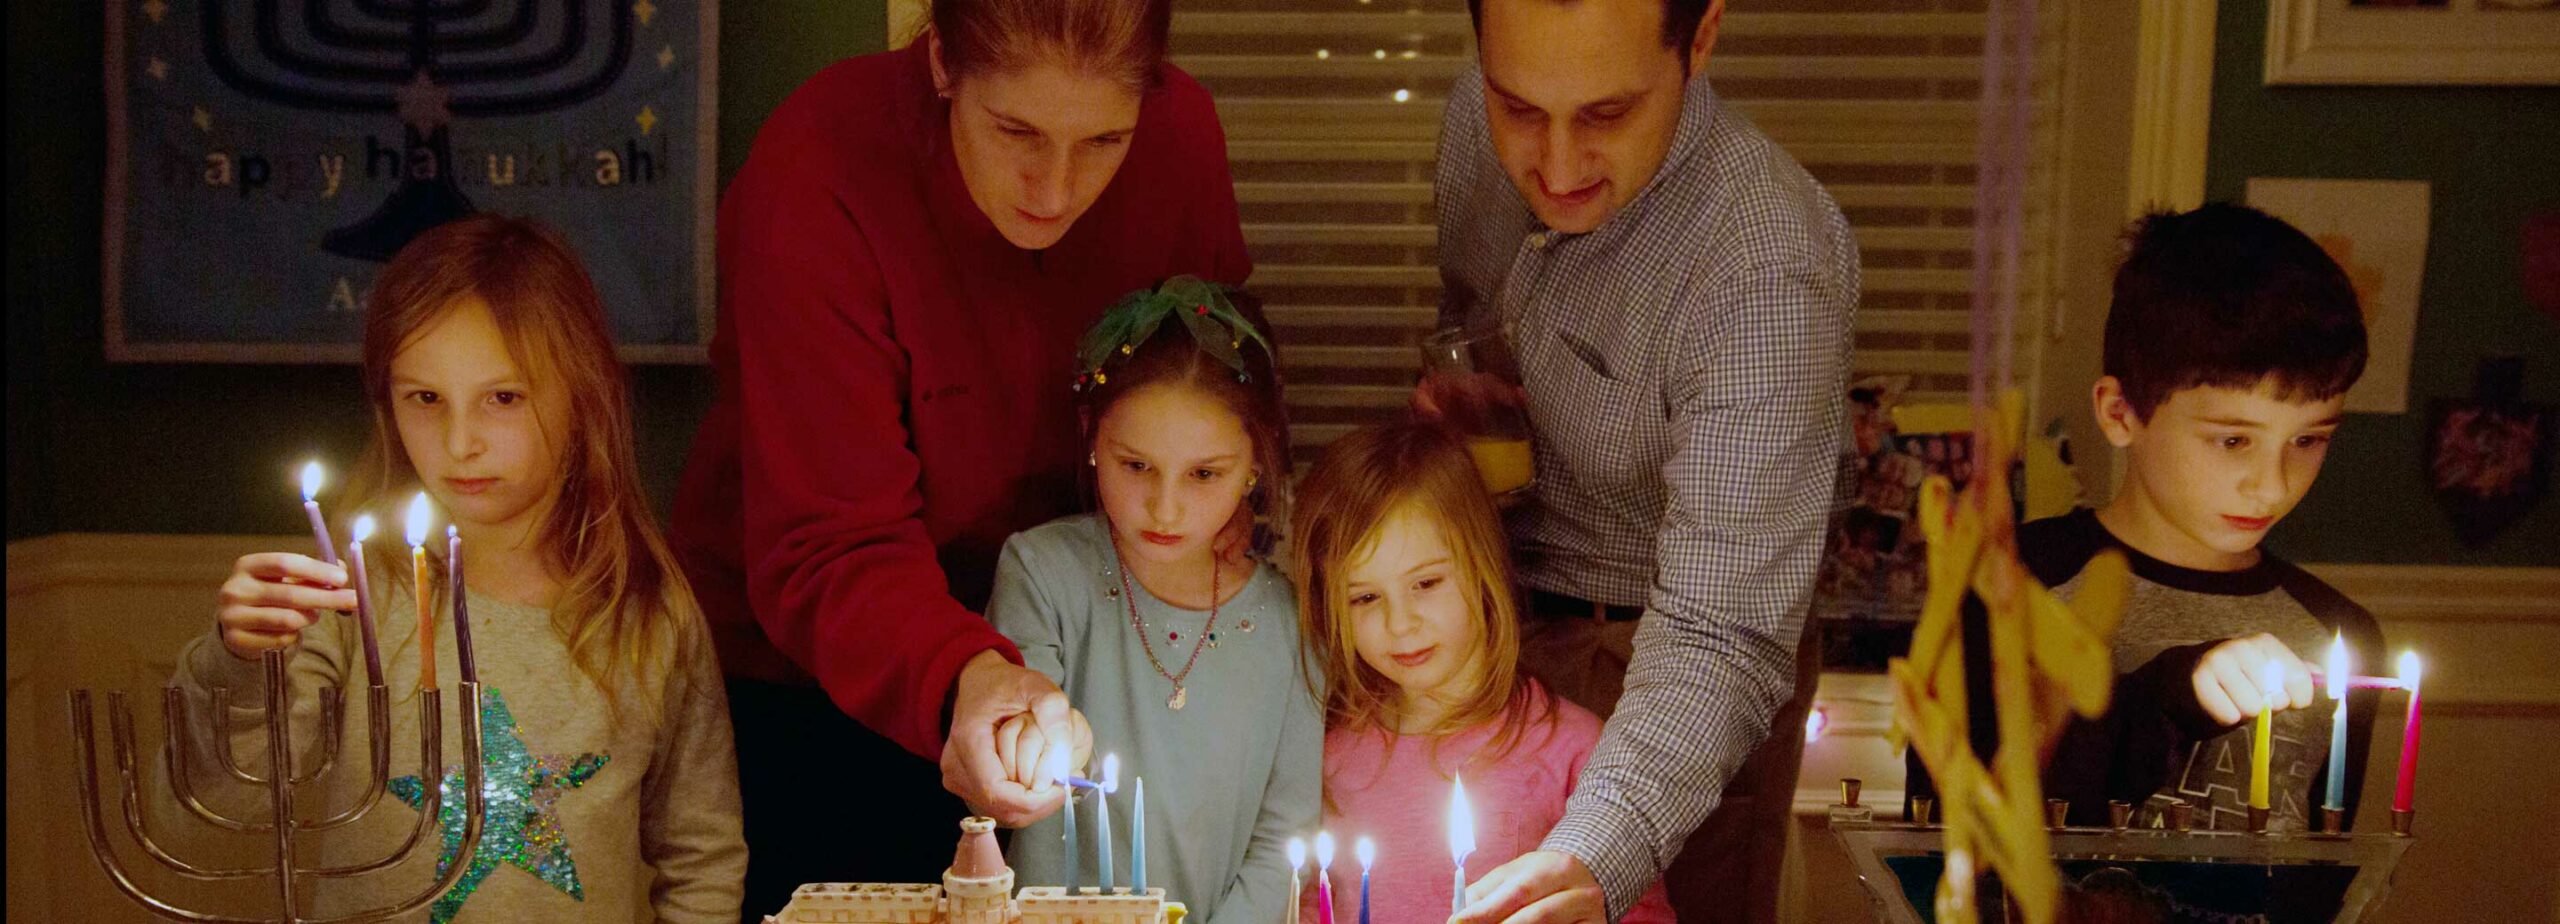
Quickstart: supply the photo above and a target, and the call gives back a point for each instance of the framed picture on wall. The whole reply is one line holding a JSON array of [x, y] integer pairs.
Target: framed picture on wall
[[267, 157], [2413, 42], [2377, 231]]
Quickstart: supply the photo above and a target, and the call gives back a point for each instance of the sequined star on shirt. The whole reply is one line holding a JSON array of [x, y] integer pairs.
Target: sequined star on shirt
[[521, 829]]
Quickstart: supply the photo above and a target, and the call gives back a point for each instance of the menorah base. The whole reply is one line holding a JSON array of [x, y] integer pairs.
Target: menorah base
[[2142, 874]]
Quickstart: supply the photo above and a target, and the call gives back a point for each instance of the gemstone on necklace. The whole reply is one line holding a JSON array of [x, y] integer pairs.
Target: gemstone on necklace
[[1246, 625], [1111, 592], [1173, 636]]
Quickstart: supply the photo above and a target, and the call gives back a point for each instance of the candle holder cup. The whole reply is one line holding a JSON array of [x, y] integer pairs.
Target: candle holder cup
[[281, 776], [2107, 873]]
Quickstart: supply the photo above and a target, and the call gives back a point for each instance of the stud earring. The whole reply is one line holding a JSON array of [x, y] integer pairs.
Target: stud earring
[[1089, 461]]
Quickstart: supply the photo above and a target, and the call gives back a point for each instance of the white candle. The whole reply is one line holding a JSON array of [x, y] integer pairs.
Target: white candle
[[1462, 841], [2338, 725], [1297, 865]]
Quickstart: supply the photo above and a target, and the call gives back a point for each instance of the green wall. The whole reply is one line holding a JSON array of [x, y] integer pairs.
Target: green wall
[[2493, 157], [95, 447]]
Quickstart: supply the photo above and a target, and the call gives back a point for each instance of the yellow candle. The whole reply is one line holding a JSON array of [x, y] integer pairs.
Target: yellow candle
[[418, 515], [2262, 749]]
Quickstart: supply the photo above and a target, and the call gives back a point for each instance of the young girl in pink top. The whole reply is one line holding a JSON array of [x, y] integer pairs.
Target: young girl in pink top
[[1404, 591]]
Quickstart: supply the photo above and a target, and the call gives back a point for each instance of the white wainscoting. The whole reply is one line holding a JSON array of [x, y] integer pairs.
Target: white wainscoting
[[2489, 768], [109, 612]]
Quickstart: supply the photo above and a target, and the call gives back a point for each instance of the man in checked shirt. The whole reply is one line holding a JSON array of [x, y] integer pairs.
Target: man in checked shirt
[[1678, 292]]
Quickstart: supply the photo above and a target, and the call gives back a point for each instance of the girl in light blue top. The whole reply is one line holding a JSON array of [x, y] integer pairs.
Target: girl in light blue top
[[1157, 615]]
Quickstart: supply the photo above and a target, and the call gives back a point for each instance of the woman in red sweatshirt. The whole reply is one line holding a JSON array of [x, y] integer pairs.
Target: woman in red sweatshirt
[[906, 261]]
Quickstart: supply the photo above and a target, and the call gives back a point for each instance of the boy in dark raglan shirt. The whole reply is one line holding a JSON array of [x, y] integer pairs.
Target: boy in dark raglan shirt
[[2230, 346]]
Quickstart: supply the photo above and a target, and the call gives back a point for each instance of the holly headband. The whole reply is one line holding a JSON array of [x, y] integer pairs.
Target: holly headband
[[1207, 310]]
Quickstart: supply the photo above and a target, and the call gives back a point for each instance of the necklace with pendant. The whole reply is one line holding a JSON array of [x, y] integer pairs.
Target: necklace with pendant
[[1181, 694]]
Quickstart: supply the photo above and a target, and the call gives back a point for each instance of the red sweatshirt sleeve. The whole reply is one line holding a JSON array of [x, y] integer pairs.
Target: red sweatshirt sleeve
[[1215, 219], [840, 570]]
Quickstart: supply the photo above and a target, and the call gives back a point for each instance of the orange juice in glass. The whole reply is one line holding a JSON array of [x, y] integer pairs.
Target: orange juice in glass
[[1472, 379]]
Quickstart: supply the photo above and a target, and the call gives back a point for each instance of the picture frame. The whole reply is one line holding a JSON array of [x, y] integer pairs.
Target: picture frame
[[266, 159], [2413, 42]]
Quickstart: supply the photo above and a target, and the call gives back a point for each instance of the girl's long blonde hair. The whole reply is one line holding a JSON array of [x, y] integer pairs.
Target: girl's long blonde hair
[[623, 604], [1362, 479]]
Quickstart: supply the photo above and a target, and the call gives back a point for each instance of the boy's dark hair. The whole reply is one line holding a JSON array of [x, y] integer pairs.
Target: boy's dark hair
[[1680, 20], [2227, 296]]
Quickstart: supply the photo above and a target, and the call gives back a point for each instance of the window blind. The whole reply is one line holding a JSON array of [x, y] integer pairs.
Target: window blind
[[1332, 108]]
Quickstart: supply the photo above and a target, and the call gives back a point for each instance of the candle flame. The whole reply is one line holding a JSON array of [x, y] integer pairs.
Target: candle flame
[[419, 514], [1324, 850], [2274, 678], [1057, 767], [311, 476], [1110, 773], [1816, 721], [1462, 823], [2338, 666], [1367, 852], [364, 527], [2409, 671], [1297, 855], [452, 531]]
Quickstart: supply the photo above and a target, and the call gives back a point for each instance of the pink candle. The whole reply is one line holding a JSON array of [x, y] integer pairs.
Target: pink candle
[[1324, 877], [2404, 796]]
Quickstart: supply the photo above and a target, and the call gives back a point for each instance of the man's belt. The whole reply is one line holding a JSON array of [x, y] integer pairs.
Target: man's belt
[[1559, 606]]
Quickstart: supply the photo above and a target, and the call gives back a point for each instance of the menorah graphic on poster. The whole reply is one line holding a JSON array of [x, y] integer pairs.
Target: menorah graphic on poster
[[283, 772], [426, 62]]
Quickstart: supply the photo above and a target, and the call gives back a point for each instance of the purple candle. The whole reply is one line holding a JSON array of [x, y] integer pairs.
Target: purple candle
[[461, 606], [311, 508], [364, 598]]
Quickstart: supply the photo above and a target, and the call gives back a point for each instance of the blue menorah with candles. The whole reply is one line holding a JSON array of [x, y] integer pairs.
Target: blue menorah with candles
[[426, 61], [287, 822]]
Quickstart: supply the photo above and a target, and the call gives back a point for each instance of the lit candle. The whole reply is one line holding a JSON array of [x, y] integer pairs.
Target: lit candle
[[311, 508], [1138, 837], [2337, 725], [1102, 812], [461, 606], [2404, 795], [2265, 741], [1462, 841], [418, 515], [364, 597], [2359, 682], [1297, 865], [1058, 771], [1324, 877], [1368, 854]]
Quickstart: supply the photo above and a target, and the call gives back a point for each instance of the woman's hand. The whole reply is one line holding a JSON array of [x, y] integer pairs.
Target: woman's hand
[[272, 596]]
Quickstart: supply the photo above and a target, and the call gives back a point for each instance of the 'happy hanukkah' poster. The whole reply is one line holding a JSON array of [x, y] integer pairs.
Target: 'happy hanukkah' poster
[[267, 157]]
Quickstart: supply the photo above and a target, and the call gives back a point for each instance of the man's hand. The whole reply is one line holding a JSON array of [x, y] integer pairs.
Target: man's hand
[[1541, 887], [989, 691], [2231, 679]]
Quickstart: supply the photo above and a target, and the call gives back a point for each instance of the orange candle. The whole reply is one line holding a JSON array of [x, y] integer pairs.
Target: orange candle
[[418, 515]]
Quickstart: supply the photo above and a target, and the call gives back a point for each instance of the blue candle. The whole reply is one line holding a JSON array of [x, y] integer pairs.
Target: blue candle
[[1368, 854], [1102, 813], [1138, 837], [1074, 849]]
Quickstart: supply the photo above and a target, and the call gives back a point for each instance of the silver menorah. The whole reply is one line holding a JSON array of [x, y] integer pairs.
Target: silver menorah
[[282, 775]]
